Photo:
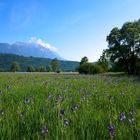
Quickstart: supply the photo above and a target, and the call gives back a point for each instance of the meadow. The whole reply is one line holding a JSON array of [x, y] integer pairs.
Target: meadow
[[36, 106]]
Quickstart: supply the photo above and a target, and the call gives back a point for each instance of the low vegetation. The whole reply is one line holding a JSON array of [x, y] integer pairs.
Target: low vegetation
[[62, 107]]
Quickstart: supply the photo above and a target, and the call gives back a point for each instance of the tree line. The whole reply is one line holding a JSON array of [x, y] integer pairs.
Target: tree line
[[53, 67]]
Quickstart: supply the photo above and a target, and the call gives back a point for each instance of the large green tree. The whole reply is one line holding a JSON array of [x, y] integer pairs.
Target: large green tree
[[104, 60], [30, 68], [84, 60], [124, 46], [15, 67], [54, 64]]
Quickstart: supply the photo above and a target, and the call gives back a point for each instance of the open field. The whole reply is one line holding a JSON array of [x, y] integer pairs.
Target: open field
[[69, 107]]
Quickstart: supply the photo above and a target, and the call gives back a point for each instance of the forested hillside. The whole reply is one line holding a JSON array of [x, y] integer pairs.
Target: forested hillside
[[7, 59]]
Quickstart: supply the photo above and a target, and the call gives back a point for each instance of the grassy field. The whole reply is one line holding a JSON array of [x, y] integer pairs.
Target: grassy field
[[69, 107]]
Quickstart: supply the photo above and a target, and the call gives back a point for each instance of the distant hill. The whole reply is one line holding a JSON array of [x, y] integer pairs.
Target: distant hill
[[29, 49], [7, 59]]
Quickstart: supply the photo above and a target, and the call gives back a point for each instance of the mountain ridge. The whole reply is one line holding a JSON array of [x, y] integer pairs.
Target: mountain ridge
[[29, 49]]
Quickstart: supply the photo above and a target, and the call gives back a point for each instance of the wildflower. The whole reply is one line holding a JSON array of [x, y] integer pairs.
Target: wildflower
[[66, 122], [62, 111], [0, 91], [26, 100], [111, 129], [122, 117], [44, 130], [48, 96], [21, 114], [1, 112], [58, 98], [131, 120], [132, 111], [8, 86], [74, 107], [79, 89], [121, 92]]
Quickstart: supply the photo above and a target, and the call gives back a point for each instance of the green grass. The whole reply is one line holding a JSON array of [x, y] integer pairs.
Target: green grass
[[101, 106]]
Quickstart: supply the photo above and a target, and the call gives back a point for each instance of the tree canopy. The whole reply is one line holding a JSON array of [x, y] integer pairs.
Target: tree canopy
[[124, 46], [54, 64], [15, 67], [84, 60]]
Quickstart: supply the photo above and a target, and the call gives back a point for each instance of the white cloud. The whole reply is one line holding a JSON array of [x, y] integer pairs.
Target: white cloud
[[42, 43]]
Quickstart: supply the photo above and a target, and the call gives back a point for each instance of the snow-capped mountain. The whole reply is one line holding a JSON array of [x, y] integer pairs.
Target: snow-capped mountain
[[31, 48]]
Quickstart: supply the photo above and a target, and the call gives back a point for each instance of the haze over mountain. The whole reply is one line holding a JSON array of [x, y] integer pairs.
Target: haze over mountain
[[34, 47]]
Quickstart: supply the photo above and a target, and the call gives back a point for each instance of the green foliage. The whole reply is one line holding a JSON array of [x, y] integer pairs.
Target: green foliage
[[7, 59], [54, 65], [124, 46], [41, 69], [1, 70], [88, 68], [98, 69], [100, 101], [15, 67], [104, 61], [30, 68], [48, 69], [84, 60]]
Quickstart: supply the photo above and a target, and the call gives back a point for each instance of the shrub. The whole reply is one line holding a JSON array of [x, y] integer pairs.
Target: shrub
[[89, 68], [98, 69]]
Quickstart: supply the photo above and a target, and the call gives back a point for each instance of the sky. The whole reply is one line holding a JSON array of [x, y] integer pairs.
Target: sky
[[74, 28]]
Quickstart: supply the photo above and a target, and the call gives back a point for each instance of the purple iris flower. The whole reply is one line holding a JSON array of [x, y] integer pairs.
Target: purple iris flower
[[1, 112], [131, 120], [111, 129], [44, 130], [26, 100], [121, 92], [122, 117], [79, 89], [132, 111], [0, 91], [48, 96], [57, 100], [8, 86], [66, 122], [74, 107], [21, 114], [62, 111]]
